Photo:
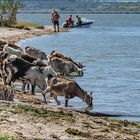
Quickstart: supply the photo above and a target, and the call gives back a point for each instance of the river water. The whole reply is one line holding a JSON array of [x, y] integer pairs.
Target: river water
[[110, 50]]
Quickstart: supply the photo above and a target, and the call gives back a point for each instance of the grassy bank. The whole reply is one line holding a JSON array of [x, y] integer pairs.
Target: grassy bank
[[27, 24]]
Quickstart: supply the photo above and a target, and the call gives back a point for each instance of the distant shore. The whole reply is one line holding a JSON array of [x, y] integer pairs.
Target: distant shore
[[82, 12], [27, 117]]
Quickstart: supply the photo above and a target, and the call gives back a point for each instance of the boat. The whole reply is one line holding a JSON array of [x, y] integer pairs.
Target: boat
[[85, 24]]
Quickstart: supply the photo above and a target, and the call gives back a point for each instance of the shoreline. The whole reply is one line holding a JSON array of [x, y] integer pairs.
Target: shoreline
[[29, 118], [13, 35]]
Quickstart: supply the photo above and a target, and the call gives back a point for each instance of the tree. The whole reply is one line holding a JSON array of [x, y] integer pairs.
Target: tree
[[3, 9], [8, 11]]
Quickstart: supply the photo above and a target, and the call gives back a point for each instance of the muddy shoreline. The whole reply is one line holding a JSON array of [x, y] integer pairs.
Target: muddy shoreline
[[13, 35], [27, 117]]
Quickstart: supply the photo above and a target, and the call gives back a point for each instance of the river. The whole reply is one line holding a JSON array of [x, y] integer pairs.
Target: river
[[110, 50]]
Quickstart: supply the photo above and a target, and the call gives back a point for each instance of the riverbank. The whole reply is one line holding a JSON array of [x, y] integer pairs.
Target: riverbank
[[28, 118], [13, 34]]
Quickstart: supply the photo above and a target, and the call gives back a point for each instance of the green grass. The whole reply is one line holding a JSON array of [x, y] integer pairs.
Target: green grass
[[76, 132], [6, 137], [126, 123], [27, 24], [43, 113]]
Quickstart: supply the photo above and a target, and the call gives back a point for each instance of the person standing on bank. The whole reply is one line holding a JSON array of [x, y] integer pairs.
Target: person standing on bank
[[55, 20]]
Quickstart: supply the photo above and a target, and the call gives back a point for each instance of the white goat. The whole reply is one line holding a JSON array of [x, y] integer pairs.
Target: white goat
[[12, 51]]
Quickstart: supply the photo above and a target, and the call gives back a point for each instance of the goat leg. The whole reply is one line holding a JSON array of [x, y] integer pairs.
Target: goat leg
[[65, 93], [33, 89], [28, 86], [55, 98], [44, 97], [66, 102], [23, 86]]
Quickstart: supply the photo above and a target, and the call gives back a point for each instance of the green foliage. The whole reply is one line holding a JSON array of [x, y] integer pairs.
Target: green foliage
[[11, 3], [126, 123], [43, 113], [8, 11], [6, 137]]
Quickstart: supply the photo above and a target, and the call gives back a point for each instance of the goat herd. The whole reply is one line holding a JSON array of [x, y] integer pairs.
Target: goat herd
[[28, 67]]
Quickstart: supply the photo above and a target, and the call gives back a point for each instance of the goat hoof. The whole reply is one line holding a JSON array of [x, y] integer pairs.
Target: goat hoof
[[45, 102]]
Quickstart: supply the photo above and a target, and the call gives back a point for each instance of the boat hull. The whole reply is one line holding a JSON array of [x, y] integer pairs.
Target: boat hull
[[83, 25]]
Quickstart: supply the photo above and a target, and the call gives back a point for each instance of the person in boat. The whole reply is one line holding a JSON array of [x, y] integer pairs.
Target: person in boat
[[55, 20], [66, 24], [70, 21], [79, 21]]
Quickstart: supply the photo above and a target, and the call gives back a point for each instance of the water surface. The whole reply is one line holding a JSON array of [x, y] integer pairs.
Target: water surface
[[110, 50]]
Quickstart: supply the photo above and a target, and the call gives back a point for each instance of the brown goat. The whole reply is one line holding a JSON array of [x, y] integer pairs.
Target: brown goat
[[68, 88]]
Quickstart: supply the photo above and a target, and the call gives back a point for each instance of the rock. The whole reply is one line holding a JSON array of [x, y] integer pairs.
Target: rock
[[41, 27], [22, 27], [26, 28]]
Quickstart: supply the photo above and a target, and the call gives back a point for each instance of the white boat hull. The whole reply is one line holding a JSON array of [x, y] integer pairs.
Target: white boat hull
[[83, 25]]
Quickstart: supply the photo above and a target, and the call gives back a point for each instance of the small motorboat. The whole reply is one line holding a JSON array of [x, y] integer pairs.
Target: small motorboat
[[85, 24]]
